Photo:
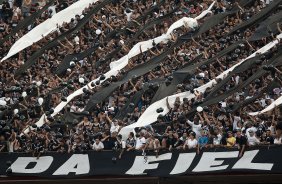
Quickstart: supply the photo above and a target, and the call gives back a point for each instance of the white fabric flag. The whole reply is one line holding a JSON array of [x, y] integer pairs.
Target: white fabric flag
[[150, 115], [48, 26]]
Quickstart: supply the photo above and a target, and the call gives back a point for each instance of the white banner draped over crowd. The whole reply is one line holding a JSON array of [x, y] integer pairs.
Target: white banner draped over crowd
[[274, 104], [150, 115], [116, 66], [48, 26]]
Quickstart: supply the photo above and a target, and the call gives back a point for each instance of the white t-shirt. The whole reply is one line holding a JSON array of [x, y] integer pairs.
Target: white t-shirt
[[278, 140], [53, 8], [217, 139], [237, 79], [253, 141], [191, 143], [254, 129], [11, 147], [73, 108], [80, 109], [111, 100], [223, 104], [123, 144], [235, 121], [114, 128], [128, 15], [262, 103], [11, 2], [195, 128], [140, 141], [272, 129], [99, 146]]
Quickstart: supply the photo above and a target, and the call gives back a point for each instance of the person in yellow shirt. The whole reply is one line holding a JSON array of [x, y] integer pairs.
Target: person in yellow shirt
[[231, 140]]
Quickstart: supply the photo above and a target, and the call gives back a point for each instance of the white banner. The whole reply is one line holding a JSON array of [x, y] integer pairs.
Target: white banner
[[274, 104], [150, 115], [48, 26], [122, 62]]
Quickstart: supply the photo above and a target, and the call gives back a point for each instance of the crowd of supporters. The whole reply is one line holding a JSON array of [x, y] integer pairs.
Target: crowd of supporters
[[212, 126]]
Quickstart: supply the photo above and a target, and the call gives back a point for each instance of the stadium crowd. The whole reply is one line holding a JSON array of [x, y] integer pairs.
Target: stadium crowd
[[22, 97]]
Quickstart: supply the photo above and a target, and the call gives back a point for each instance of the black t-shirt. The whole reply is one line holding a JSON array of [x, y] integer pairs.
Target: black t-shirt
[[109, 143], [53, 143], [171, 141], [241, 140], [228, 128], [37, 146], [179, 143], [63, 6], [19, 3], [180, 131], [65, 147], [160, 127], [269, 139], [115, 2], [130, 142], [177, 1]]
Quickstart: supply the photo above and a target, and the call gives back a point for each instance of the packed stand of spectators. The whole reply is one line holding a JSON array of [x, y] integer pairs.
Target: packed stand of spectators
[[214, 126]]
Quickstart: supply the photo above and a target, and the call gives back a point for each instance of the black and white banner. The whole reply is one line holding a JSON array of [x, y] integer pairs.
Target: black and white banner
[[210, 161]]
